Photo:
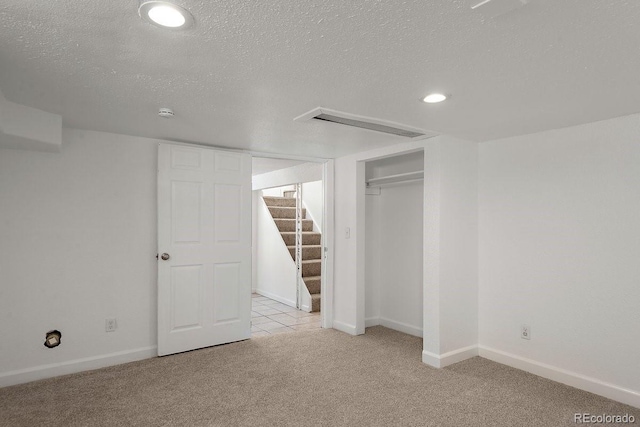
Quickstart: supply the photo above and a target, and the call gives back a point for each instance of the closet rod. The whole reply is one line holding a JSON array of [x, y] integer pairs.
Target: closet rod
[[387, 184], [400, 177]]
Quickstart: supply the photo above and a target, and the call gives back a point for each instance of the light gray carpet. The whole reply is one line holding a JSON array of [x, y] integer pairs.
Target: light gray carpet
[[372, 380]]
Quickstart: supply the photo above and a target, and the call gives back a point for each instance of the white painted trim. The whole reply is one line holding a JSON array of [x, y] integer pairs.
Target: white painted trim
[[316, 227], [275, 297], [360, 228], [449, 358], [573, 379], [344, 327], [402, 327], [326, 281], [78, 365], [305, 297]]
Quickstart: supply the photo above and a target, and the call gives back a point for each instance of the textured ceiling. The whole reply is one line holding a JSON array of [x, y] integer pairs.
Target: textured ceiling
[[247, 68]]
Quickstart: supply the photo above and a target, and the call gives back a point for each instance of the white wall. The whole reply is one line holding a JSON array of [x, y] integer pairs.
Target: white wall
[[313, 200], [275, 268], [394, 239], [306, 172], [260, 165], [278, 191], [77, 245], [559, 249], [458, 245]]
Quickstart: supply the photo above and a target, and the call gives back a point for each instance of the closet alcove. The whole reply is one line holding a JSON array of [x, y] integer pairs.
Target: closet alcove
[[394, 205]]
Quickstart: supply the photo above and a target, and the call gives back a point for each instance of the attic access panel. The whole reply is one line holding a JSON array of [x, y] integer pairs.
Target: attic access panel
[[362, 122]]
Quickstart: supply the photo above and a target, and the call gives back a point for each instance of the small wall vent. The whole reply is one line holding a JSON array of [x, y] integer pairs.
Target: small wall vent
[[377, 125]]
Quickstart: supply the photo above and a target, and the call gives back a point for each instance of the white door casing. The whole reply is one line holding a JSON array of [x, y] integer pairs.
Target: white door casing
[[204, 225]]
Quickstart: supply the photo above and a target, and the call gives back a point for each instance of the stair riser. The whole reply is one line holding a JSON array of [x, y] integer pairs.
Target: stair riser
[[290, 225], [278, 201], [307, 239], [307, 253], [312, 269], [315, 305], [285, 213], [313, 285]]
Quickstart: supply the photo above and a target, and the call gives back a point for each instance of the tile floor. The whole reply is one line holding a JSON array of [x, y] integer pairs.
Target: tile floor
[[272, 317]]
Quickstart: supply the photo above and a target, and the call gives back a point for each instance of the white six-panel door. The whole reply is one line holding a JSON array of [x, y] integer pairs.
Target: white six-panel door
[[204, 229]]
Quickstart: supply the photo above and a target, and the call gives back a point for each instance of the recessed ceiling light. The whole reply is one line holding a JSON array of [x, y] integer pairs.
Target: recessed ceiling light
[[165, 14], [433, 98]]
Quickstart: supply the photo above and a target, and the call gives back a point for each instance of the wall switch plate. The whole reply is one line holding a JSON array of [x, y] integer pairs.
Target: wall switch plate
[[525, 332], [347, 233], [110, 325]]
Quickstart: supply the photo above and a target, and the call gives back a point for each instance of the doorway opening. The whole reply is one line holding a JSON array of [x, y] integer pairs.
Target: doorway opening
[[287, 244], [394, 199]]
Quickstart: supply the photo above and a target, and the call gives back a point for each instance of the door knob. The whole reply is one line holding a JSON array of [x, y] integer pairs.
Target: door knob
[[165, 256]]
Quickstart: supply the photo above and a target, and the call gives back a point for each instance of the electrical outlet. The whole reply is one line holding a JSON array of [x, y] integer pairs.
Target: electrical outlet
[[110, 325], [525, 332]]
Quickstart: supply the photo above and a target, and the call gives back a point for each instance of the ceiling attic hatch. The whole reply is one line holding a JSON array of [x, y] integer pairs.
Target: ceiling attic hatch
[[377, 125]]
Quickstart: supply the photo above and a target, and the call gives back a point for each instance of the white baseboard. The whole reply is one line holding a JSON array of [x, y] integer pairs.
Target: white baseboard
[[344, 327], [392, 324], [402, 327], [573, 379], [78, 365], [275, 297], [449, 358]]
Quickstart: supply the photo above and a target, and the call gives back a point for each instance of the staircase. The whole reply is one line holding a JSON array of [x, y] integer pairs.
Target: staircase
[[283, 211]]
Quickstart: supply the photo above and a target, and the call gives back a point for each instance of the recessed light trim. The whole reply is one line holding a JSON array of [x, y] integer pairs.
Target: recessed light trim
[[434, 98], [165, 14]]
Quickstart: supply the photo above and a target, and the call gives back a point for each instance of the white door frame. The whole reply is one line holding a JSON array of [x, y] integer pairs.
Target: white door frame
[[326, 282], [328, 233]]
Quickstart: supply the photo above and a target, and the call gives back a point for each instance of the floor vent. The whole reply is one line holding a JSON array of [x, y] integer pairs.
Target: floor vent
[[377, 125]]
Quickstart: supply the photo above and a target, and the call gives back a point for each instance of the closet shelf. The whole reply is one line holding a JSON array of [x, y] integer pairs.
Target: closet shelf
[[398, 178]]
